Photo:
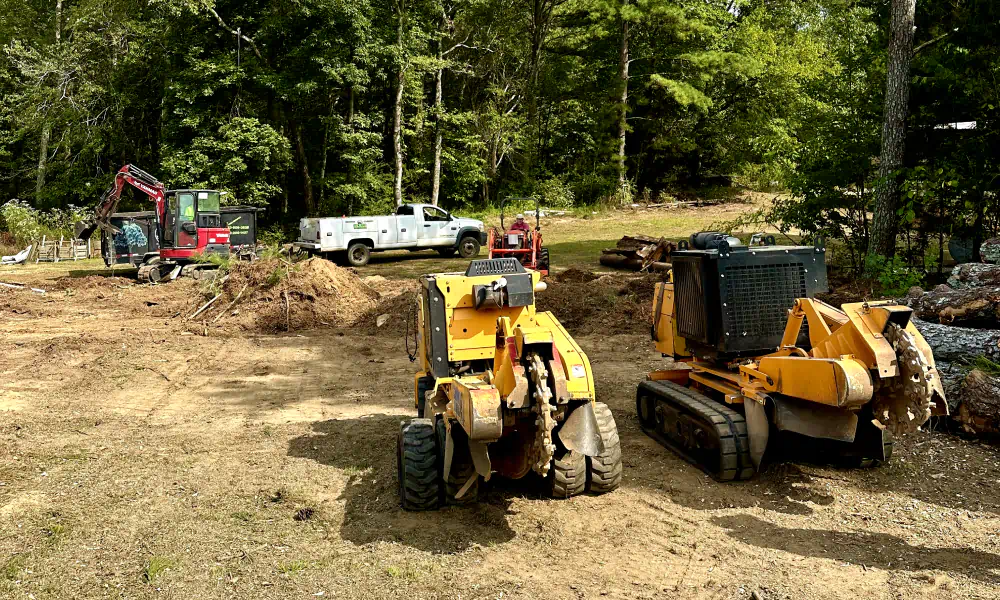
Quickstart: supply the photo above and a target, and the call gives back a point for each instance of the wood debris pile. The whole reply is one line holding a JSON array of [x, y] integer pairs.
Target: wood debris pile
[[639, 253]]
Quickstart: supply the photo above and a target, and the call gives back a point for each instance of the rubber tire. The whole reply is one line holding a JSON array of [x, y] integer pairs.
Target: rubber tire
[[605, 469], [568, 475], [543, 259], [364, 254], [424, 384], [469, 247], [447, 252], [417, 466], [461, 466]]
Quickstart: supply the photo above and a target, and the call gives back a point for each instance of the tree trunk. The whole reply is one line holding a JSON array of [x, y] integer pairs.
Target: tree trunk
[[326, 152], [350, 163], [885, 223], [438, 109], [300, 154], [43, 156], [623, 106], [397, 117], [979, 410], [59, 12]]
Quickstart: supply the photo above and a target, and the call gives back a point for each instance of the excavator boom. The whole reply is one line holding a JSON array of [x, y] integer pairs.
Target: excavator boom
[[137, 178]]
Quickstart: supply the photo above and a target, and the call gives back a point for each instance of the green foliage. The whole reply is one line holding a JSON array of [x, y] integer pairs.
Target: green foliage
[[893, 275], [27, 224]]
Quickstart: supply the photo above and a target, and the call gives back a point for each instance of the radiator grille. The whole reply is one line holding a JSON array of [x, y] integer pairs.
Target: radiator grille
[[690, 299], [494, 266], [758, 297]]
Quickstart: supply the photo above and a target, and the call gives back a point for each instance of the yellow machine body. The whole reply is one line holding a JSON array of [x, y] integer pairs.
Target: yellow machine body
[[473, 355]]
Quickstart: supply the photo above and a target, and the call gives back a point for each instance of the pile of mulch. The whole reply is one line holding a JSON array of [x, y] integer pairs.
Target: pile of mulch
[[574, 275], [273, 295], [608, 304], [92, 282]]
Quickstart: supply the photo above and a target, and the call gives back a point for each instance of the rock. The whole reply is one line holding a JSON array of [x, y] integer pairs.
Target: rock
[[915, 292], [381, 320], [990, 251]]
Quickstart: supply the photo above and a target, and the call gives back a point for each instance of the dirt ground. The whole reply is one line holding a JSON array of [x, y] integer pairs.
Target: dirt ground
[[144, 455]]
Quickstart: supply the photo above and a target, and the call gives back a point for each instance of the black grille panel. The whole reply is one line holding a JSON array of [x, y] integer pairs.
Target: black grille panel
[[494, 266], [758, 297], [692, 306], [737, 304]]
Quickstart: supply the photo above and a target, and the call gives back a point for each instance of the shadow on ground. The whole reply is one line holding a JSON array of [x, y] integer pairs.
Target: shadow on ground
[[862, 548], [364, 449]]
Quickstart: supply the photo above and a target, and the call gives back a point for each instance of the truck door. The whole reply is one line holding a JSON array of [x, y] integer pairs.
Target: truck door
[[434, 229], [406, 226], [186, 231]]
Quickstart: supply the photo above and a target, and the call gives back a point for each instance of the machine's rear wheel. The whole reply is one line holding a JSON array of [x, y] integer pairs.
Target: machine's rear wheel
[[568, 476], [606, 467], [543, 259], [417, 465]]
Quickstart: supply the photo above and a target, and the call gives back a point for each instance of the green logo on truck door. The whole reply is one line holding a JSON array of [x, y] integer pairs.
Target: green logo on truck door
[[361, 225]]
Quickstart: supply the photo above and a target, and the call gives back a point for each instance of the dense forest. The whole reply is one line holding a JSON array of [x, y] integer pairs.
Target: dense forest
[[339, 106]]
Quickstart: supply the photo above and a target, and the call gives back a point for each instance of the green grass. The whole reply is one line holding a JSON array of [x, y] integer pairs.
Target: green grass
[[292, 567], [573, 242], [156, 567]]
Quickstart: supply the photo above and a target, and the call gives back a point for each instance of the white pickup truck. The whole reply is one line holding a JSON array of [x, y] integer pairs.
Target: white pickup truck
[[413, 227]]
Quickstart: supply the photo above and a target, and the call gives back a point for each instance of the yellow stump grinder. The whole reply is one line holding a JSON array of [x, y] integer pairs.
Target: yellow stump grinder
[[501, 389], [766, 360]]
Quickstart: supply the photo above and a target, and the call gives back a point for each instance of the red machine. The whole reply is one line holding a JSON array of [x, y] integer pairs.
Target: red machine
[[188, 224], [520, 241]]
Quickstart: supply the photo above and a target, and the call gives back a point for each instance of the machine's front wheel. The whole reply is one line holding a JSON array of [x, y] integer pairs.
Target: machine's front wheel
[[606, 467], [568, 476], [417, 465]]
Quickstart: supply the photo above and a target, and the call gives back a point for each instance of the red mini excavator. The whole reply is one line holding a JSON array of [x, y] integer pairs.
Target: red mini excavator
[[188, 224]]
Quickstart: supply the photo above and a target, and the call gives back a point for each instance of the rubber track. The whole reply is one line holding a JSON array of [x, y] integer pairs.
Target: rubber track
[[730, 429]]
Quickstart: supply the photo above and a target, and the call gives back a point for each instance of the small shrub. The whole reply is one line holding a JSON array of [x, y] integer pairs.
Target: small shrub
[[556, 193], [893, 275]]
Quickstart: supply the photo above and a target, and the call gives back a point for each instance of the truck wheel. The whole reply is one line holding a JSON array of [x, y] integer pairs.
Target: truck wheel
[[446, 252], [417, 465], [606, 468], [468, 247], [358, 254], [568, 476]]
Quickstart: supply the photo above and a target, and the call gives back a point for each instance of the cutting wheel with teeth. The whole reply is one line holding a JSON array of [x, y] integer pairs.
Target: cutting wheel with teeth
[[905, 403]]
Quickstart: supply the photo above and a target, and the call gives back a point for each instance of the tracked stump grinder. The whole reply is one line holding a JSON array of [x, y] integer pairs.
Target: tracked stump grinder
[[758, 359], [502, 388]]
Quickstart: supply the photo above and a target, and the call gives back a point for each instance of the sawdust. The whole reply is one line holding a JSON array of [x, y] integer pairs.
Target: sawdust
[[273, 295]]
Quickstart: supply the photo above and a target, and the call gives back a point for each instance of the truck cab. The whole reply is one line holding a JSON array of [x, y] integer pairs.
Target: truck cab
[[193, 223]]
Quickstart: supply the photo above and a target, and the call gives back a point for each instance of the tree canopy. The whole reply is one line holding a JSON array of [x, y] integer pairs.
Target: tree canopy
[[323, 106]]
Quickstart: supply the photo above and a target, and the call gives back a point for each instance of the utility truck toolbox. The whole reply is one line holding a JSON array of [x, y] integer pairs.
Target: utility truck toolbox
[[412, 227]]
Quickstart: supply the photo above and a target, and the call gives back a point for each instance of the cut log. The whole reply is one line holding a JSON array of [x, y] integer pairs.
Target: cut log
[[972, 307], [955, 348], [617, 261], [979, 412], [974, 275]]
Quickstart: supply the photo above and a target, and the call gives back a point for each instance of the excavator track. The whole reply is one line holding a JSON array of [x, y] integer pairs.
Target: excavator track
[[703, 432]]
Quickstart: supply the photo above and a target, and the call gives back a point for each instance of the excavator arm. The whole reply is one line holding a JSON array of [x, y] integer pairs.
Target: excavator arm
[[137, 178]]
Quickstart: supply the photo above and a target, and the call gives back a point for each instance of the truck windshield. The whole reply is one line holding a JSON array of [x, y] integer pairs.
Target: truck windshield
[[208, 202]]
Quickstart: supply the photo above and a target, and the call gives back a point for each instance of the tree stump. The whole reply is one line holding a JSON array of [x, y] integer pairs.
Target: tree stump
[[979, 412]]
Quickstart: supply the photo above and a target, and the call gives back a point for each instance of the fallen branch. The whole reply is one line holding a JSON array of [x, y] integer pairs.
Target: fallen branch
[[204, 306], [233, 303], [18, 286]]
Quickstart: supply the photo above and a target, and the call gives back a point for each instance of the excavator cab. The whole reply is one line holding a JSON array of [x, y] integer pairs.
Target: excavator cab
[[188, 213]]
